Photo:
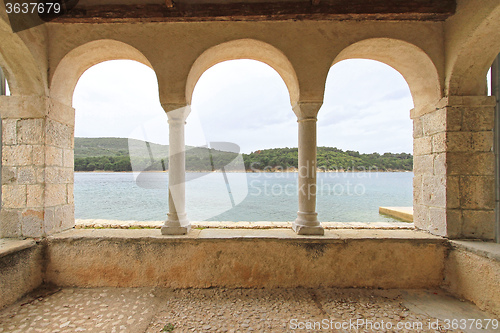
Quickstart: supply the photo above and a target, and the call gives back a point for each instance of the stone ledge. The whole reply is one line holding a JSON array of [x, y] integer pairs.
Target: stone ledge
[[484, 249], [119, 224], [225, 234], [8, 246]]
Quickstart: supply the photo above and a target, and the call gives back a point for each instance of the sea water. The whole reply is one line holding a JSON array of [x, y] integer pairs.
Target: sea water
[[341, 197]]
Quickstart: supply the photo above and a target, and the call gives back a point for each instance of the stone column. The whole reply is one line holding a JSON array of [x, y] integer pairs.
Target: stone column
[[177, 222], [454, 168], [37, 166], [307, 218]]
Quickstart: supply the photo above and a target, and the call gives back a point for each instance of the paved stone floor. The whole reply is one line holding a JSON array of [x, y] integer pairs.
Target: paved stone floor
[[235, 310]]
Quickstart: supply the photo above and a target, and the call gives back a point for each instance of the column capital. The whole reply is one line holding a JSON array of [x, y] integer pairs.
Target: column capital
[[176, 113], [306, 110]]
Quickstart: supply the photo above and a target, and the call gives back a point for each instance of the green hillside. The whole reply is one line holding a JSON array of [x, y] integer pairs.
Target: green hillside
[[120, 154]]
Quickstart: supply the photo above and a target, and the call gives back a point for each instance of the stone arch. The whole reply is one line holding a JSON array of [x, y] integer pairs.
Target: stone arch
[[81, 58], [19, 66], [244, 49], [410, 61], [473, 58]]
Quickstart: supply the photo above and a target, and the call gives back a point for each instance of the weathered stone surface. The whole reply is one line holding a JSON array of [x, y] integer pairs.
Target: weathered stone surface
[[35, 195], [473, 277], [482, 141], [26, 175], [10, 223], [434, 191], [59, 135], [53, 156], [9, 175], [31, 131], [422, 146], [13, 196], [388, 260], [9, 131], [39, 155], [477, 192], [17, 155], [479, 224], [423, 164], [480, 164], [21, 270], [438, 142], [32, 222], [55, 194]]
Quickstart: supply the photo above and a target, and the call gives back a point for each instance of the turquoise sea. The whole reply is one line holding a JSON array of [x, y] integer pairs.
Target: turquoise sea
[[341, 197]]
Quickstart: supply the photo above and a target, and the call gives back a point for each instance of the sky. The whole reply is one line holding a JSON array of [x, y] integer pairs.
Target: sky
[[366, 107]]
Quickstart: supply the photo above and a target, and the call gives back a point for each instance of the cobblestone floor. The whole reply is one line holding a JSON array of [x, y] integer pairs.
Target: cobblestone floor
[[232, 310]]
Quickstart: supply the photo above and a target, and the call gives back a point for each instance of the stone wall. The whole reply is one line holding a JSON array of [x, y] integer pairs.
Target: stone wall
[[37, 167], [454, 194]]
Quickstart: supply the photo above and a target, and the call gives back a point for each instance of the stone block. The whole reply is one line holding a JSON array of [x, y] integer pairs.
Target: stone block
[[13, 196], [434, 191], [9, 175], [68, 158], [438, 223], [454, 118], [477, 192], [423, 164], [421, 216], [26, 175], [58, 175], [40, 175], [49, 222], [34, 195], [9, 131], [479, 224], [417, 189], [479, 163], [17, 155], [458, 142], [454, 222], [482, 141], [30, 131], [65, 216], [32, 223], [453, 194], [478, 118], [439, 164], [434, 122], [10, 223], [38, 155], [70, 193], [53, 156], [422, 146], [55, 194], [59, 135], [418, 130], [439, 142]]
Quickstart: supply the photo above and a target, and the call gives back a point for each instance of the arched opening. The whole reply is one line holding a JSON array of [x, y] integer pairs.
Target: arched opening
[[242, 105], [121, 136], [364, 142]]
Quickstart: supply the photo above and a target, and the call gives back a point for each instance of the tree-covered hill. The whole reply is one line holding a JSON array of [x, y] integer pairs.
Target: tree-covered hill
[[120, 154]]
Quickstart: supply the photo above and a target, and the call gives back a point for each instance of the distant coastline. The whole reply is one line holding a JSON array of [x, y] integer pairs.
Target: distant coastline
[[121, 154]]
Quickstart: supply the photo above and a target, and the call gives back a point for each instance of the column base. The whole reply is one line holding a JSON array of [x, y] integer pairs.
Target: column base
[[307, 224], [176, 225]]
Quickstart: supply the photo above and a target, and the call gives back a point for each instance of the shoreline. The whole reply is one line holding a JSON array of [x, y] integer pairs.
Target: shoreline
[[248, 171]]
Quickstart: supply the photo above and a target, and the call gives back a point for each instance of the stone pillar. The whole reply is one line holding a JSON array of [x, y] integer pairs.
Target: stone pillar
[[307, 218], [37, 166], [177, 222], [454, 168]]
